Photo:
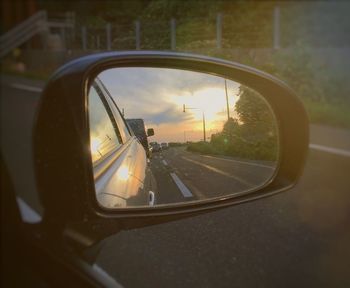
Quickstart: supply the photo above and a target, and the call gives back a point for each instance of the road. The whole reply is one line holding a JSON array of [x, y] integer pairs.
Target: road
[[299, 238], [185, 176]]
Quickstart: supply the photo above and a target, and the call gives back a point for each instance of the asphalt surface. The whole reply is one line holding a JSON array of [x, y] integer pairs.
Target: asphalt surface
[[184, 176], [296, 239], [299, 238]]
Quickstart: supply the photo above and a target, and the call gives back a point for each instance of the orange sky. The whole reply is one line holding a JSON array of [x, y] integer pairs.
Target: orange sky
[[157, 95]]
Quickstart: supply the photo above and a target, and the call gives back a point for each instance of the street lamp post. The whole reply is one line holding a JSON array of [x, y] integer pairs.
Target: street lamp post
[[203, 117], [227, 105], [204, 135]]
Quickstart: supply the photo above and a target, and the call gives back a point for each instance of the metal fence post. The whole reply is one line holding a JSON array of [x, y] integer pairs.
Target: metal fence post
[[83, 37], [108, 35], [219, 30], [71, 19], [98, 42], [173, 33], [45, 29], [276, 27], [137, 34], [63, 37]]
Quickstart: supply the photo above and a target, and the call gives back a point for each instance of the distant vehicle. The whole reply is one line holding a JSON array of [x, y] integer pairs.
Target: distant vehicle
[[164, 145], [150, 151], [156, 147], [138, 127]]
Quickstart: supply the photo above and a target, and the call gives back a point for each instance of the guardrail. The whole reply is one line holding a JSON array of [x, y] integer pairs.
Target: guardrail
[[23, 32]]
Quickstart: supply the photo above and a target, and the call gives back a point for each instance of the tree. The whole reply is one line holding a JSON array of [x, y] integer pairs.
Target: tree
[[254, 114], [230, 129]]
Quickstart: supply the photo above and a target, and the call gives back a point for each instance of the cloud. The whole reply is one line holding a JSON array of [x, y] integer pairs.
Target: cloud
[[169, 115], [157, 94]]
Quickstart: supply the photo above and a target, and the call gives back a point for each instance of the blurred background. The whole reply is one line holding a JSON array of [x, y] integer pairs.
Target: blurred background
[[295, 239], [307, 44]]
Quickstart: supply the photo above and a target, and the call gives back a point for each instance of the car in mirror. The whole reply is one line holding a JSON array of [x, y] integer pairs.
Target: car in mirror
[[226, 134], [231, 145]]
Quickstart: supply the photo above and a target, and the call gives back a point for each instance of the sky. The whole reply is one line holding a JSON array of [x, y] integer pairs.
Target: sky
[[157, 95]]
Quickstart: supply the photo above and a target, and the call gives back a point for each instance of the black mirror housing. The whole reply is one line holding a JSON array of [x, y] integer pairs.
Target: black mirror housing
[[63, 165]]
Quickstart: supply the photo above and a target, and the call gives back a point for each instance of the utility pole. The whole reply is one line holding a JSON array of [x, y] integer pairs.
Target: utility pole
[[227, 105], [203, 117], [219, 30], [173, 33], [138, 34], [204, 136], [276, 28]]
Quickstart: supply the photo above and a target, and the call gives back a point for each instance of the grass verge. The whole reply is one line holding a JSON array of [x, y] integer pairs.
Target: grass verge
[[333, 114]]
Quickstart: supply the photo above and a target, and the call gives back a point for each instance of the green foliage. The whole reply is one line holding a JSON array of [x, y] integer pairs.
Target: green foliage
[[230, 128], [335, 114], [298, 68], [176, 144], [254, 113], [166, 9], [247, 38], [247, 23], [325, 96], [97, 13], [253, 135], [202, 147], [259, 150]]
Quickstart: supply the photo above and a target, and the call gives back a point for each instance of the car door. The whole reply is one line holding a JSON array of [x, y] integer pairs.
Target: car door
[[122, 176]]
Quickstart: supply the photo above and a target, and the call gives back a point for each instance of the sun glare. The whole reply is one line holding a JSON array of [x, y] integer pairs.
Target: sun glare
[[95, 145], [123, 173], [211, 101]]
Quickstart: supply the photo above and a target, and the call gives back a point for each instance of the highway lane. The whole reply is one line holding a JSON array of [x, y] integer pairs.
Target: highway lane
[[205, 176], [167, 189], [299, 238]]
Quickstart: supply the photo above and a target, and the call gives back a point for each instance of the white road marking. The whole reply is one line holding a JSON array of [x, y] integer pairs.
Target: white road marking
[[165, 163], [111, 280], [26, 87], [331, 150], [29, 215], [241, 162], [184, 190], [211, 168]]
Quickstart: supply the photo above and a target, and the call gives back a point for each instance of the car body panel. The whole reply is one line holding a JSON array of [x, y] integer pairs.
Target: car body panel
[[122, 176], [124, 180]]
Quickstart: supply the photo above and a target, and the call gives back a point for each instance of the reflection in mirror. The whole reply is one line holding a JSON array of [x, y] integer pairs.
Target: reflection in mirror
[[166, 136]]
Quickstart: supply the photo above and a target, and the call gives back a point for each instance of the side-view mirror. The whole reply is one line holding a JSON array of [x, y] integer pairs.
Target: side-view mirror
[[226, 134], [150, 132]]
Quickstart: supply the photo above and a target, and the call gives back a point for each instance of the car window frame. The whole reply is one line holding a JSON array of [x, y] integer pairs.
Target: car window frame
[[120, 120], [113, 122]]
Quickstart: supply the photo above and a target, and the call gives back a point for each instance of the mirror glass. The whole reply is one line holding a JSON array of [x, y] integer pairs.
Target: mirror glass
[[162, 136]]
